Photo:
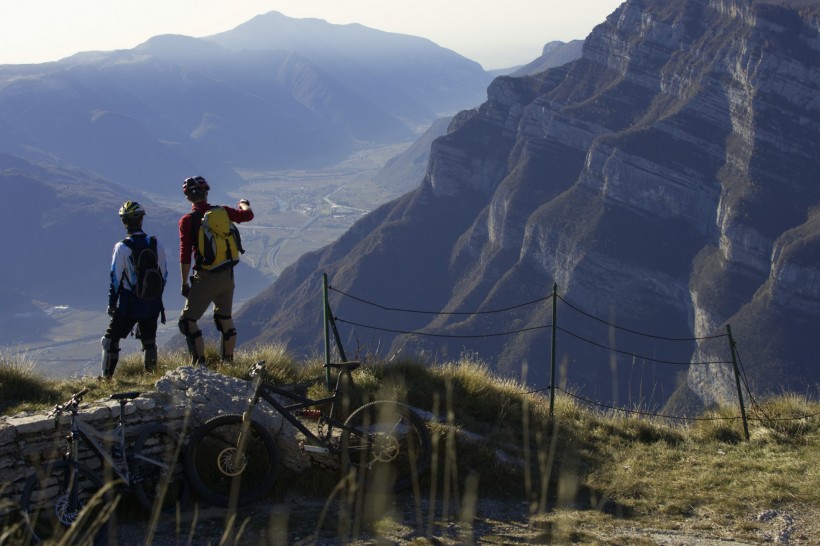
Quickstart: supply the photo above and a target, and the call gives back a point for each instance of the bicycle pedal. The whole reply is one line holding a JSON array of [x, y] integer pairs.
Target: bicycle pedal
[[307, 448]]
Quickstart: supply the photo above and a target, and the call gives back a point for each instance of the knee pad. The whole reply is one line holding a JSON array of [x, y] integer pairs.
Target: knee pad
[[110, 356], [221, 321], [225, 326], [185, 327], [190, 337]]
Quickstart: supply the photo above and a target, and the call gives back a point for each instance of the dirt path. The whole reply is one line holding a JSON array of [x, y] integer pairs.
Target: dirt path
[[310, 522]]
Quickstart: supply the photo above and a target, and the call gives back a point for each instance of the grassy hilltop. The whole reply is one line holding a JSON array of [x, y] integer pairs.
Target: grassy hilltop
[[583, 477]]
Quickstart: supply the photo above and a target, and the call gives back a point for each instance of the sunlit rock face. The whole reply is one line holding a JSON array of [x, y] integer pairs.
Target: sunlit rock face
[[666, 182]]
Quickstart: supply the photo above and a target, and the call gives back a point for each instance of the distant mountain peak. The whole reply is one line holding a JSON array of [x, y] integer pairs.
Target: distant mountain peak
[[177, 45]]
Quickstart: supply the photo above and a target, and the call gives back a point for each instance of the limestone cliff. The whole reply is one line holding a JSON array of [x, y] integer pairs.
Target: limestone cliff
[[666, 181]]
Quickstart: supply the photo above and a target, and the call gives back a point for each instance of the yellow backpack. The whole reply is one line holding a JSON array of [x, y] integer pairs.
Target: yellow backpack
[[218, 243]]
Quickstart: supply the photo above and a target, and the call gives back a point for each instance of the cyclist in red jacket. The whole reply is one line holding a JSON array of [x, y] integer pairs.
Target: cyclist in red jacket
[[207, 285]]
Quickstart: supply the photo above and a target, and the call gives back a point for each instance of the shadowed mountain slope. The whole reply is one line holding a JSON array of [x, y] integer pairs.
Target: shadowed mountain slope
[[665, 182]]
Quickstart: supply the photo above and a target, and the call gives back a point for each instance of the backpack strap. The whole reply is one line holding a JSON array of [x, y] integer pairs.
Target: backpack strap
[[132, 246], [131, 243], [152, 244], [196, 222]]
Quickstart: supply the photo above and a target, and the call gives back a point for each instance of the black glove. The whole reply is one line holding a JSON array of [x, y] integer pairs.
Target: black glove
[[185, 289], [111, 311]]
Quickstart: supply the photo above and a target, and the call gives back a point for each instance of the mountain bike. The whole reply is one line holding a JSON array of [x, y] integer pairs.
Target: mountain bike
[[233, 459], [56, 493]]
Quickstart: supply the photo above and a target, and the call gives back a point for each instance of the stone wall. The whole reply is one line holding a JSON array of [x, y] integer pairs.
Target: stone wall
[[184, 398]]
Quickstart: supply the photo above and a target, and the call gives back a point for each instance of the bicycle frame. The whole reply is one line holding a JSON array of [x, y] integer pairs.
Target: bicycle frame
[[99, 440], [265, 392], [233, 459], [58, 491]]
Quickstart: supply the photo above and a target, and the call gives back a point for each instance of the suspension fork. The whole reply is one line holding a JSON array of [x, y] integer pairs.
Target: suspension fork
[[247, 417], [122, 463], [121, 422], [72, 457]]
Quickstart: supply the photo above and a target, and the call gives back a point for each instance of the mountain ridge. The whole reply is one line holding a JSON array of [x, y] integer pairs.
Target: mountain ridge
[[98, 128], [192, 105], [640, 178], [381, 66]]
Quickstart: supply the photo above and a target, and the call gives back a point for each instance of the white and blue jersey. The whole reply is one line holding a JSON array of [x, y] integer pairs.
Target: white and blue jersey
[[124, 278]]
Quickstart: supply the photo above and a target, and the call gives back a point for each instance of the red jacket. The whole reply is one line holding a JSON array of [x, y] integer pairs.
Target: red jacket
[[186, 236]]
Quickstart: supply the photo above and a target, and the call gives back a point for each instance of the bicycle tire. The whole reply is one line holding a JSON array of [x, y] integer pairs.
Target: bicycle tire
[[389, 443], [158, 469], [217, 476], [51, 513]]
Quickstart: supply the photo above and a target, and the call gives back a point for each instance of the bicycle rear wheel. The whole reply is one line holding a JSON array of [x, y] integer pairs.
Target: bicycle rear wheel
[[231, 462], [58, 500], [388, 443], [157, 465]]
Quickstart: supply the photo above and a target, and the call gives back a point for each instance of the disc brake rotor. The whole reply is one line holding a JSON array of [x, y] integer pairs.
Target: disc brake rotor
[[385, 447], [229, 464]]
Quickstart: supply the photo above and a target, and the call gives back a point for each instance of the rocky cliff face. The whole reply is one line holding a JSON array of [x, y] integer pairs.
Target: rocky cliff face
[[666, 182]]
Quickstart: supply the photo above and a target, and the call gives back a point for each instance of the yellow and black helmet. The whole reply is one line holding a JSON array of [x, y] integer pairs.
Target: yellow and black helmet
[[131, 211]]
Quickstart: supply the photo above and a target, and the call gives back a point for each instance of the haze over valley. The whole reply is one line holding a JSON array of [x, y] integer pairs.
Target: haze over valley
[[297, 211], [660, 176], [316, 137]]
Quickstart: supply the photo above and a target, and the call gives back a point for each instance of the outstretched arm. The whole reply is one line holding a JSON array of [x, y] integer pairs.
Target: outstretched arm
[[242, 213]]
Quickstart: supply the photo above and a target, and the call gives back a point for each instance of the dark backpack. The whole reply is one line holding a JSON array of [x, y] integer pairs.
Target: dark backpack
[[146, 263]]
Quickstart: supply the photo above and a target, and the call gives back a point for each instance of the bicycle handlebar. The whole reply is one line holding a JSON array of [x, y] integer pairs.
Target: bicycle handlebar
[[257, 368], [76, 398]]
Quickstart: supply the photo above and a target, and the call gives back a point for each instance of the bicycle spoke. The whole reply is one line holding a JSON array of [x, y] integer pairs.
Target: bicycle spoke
[[54, 497], [229, 460], [389, 443]]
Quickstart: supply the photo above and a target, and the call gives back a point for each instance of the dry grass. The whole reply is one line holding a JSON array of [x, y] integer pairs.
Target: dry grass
[[572, 476]]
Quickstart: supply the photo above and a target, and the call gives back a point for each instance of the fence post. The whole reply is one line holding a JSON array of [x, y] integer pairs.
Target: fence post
[[737, 382], [552, 348], [325, 322], [330, 322]]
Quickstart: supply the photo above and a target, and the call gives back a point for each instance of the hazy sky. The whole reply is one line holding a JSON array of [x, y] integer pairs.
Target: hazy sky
[[494, 33]]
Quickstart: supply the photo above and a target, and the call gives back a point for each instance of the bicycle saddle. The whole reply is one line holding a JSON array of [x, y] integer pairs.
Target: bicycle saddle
[[350, 365], [125, 395]]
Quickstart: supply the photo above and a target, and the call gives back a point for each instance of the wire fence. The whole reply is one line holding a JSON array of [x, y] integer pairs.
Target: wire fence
[[553, 299]]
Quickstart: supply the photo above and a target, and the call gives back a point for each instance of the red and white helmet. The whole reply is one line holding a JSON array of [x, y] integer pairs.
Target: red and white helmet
[[195, 186]]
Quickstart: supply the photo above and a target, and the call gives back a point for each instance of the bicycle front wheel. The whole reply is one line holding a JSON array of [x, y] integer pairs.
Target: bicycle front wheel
[[388, 443], [157, 465], [231, 462], [58, 499]]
